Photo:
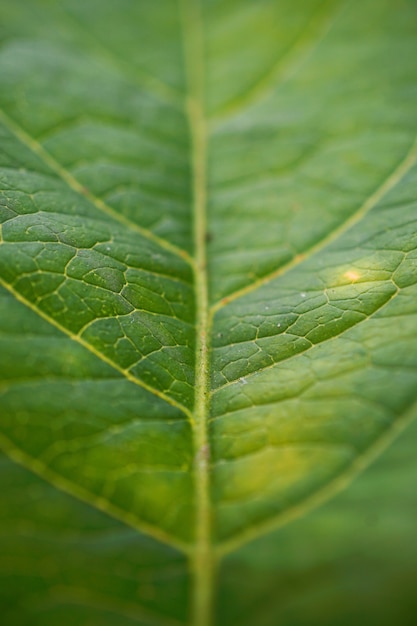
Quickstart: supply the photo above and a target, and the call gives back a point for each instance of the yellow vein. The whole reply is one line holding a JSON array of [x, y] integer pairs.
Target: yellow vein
[[126, 373], [276, 364], [287, 65], [76, 186], [389, 183], [321, 496], [140, 77], [203, 564], [80, 493]]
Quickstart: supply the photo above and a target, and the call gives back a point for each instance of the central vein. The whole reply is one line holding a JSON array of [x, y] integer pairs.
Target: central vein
[[203, 559]]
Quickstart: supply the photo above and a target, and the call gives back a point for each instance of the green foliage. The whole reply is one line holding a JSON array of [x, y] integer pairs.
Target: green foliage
[[208, 317]]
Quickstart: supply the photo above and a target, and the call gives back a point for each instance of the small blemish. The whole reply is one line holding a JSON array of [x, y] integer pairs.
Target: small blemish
[[243, 380], [352, 276], [303, 294]]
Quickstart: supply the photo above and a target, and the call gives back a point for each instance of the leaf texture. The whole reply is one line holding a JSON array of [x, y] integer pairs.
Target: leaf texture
[[207, 270]]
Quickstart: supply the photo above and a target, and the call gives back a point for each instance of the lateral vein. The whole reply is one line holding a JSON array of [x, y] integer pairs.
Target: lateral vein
[[287, 65], [76, 186], [93, 350], [138, 76], [389, 183], [99, 502], [341, 482]]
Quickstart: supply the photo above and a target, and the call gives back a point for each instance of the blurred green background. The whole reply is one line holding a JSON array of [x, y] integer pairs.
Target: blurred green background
[[352, 561]]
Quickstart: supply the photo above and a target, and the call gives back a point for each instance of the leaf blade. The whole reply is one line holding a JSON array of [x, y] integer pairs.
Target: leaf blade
[[305, 202]]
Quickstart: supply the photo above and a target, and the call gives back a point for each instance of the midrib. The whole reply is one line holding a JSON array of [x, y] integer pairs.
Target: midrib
[[202, 560]]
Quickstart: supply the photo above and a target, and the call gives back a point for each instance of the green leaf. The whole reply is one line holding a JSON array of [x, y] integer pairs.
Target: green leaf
[[351, 561], [208, 293]]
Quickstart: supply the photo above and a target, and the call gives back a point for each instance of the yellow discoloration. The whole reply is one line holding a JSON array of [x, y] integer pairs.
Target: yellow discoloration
[[352, 275]]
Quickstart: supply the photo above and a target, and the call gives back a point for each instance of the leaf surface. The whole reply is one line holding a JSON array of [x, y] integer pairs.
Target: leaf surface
[[207, 262]]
